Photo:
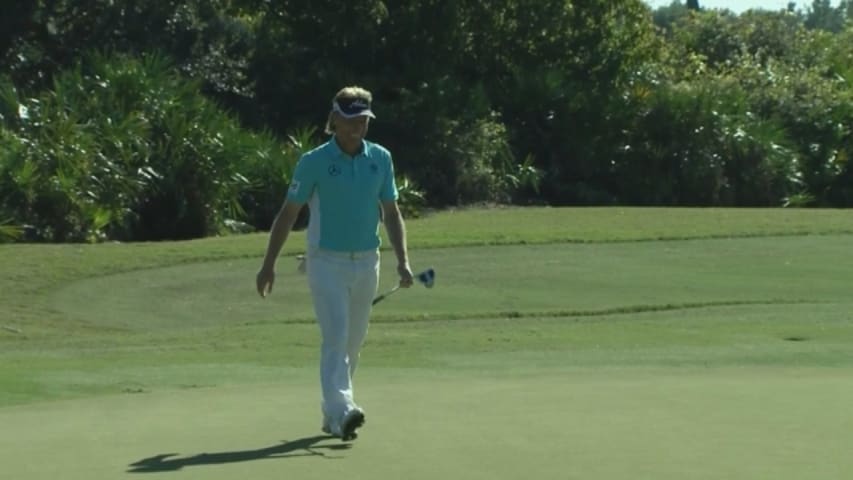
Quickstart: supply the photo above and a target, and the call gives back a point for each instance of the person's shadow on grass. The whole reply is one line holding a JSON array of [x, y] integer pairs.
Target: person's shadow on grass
[[296, 448]]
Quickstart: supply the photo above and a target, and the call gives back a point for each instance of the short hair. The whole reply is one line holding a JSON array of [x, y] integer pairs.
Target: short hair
[[352, 91]]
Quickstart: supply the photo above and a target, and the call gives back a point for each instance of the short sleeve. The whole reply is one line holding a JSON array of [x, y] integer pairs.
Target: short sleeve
[[302, 183], [388, 192]]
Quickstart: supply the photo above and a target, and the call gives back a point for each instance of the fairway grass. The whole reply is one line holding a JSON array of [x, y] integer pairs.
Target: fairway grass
[[486, 281], [608, 343]]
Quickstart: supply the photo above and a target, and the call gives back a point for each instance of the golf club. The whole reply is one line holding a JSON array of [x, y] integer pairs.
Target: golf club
[[425, 278]]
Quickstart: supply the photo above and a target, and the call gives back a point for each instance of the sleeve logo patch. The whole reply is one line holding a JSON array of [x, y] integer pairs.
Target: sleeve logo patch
[[294, 187]]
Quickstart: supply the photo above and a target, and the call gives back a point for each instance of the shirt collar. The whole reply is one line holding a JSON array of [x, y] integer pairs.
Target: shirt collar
[[340, 153]]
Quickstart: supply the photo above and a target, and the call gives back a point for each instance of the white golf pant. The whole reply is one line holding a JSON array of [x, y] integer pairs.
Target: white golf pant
[[343, 285]]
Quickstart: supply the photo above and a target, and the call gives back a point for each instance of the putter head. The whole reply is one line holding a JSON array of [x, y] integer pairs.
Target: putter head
[[427, 277]]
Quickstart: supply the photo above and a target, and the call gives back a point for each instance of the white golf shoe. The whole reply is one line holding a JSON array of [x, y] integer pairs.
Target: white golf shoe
[[353, 420]]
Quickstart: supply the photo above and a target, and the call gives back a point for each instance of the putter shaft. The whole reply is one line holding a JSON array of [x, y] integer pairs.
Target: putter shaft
[[425, 278], [381, 297]]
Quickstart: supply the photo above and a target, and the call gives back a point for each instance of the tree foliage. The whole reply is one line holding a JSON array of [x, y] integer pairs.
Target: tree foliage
[[134, 120]]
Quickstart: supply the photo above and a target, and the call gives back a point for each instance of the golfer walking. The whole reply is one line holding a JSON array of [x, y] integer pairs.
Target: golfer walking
[[345, 182]]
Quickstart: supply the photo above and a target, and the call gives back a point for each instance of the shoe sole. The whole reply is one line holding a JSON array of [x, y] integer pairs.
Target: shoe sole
[[351, 424]]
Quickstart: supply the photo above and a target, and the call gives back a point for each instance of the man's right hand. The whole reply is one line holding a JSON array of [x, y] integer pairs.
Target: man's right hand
[[264, 281]]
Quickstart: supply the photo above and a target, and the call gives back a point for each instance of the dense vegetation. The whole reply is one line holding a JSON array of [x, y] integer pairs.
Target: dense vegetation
[[130, 120]]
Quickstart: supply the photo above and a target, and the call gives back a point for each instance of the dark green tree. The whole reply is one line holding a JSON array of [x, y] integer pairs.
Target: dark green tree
[[665, 17], [208, 40], [822, 15]]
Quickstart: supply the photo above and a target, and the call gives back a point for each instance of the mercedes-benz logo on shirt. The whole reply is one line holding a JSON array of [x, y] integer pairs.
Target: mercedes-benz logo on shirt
[[334, 170]]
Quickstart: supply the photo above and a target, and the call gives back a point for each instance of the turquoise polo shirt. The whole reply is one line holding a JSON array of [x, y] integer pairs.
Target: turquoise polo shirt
[[344, 194]]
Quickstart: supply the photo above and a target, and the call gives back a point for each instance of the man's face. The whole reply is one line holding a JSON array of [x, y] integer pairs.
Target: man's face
[[351, 129]]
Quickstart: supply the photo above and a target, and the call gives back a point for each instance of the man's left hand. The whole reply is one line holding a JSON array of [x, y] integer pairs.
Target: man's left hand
[[406, 276]]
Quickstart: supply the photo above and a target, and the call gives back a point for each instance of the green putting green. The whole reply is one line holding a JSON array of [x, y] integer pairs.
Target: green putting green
[[737, 423]]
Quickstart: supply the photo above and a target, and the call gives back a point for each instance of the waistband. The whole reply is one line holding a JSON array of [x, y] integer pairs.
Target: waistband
[[356, 255]]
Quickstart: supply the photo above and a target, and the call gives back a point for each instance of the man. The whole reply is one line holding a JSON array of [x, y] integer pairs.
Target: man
[[344, 182]]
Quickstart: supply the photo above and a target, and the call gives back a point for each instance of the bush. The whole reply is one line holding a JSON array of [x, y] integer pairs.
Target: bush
[[815, 109], [669, 155], [762, 118], [123, 148], [697, 143], [469, 163], [270, 171], [450, 144]]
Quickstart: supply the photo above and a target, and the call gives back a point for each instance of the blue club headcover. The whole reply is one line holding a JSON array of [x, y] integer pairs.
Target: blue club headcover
[[427, 277]]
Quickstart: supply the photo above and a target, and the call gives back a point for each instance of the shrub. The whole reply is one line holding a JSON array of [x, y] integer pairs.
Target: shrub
[[411, 199], [123, 148], [270, 172], [814, 107], [697, 143]]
